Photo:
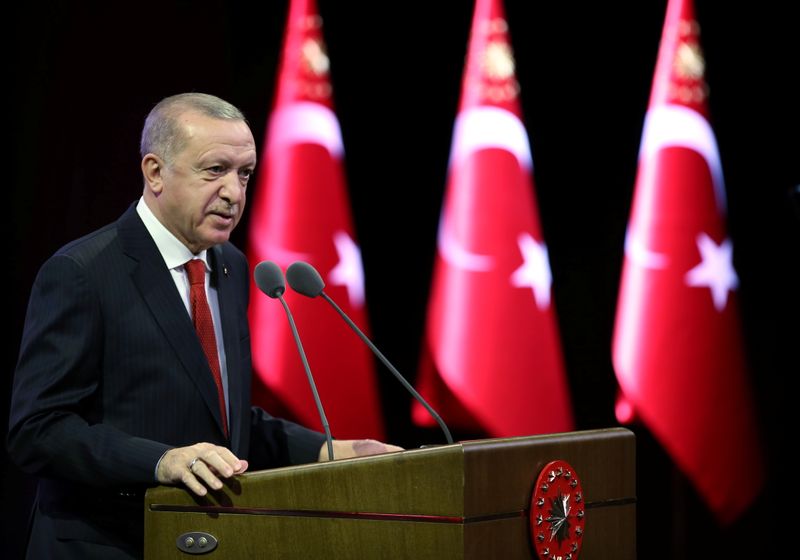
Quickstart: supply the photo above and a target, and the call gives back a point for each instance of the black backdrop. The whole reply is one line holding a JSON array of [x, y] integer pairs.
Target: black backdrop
[[84, 75]]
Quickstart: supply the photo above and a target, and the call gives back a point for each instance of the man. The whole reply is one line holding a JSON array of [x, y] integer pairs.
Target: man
[[114, 389]]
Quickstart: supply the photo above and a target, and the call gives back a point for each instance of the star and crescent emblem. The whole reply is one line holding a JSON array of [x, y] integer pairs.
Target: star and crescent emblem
[[557, 512]]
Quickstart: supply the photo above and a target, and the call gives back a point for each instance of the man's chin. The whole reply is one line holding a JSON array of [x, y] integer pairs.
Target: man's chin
[[220, 238], [214, 238]]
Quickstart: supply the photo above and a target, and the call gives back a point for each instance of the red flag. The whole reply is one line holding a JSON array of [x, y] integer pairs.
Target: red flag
[[301, 212], [492, 356], [678, 350]]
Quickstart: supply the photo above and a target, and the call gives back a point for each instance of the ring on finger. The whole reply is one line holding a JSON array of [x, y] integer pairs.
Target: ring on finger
[[191, 465]]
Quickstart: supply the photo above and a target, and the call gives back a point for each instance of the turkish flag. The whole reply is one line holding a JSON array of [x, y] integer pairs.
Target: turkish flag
[[491, 356], [301, 212], [678, 350]]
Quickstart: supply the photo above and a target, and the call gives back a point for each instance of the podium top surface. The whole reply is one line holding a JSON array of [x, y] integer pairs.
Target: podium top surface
[[466, 479]]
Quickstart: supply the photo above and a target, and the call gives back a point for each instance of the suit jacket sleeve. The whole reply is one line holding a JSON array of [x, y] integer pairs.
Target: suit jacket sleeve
[[50, 431], [277, 442]]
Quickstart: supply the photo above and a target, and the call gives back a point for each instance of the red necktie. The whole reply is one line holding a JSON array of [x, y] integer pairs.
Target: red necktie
[[204, 325]]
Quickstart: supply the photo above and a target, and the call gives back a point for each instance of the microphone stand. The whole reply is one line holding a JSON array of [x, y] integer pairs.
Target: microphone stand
[[391, 368], [317, 400]]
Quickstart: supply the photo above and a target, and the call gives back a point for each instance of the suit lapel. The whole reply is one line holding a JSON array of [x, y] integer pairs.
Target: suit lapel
[[225, 283], [154, 282]]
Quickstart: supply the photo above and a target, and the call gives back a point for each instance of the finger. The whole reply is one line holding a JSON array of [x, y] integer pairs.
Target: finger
[[223, 462], [237, 465], [190, 481], [364, 447], [203, 473], [243, 465], [217, 464]]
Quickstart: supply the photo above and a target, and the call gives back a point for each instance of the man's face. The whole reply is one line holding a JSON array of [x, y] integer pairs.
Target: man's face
[[203, 189]]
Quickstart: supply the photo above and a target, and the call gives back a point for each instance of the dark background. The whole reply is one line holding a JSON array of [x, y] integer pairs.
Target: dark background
[[84, 75]]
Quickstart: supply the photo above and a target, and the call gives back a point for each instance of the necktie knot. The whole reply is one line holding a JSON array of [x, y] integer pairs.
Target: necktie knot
[[197, 271]]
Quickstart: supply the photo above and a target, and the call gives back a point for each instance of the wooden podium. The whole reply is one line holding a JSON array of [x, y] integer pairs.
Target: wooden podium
[[468, 500]]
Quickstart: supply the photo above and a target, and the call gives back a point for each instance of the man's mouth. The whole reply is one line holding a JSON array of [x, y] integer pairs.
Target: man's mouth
[[229, 214], [222, 219]]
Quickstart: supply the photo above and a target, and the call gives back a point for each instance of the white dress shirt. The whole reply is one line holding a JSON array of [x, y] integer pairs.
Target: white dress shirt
[[175, 255]]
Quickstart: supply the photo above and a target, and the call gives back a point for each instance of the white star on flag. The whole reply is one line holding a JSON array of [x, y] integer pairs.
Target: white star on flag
[[715, 270], [349, 272], [534, 271]]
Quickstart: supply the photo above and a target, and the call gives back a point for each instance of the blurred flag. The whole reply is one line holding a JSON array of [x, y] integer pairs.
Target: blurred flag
[[301, 212], [677, 349], [492, 357]]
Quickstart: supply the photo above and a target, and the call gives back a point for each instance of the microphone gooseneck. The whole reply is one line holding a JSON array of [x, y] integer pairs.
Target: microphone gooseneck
[[269, 279], [304, 279]]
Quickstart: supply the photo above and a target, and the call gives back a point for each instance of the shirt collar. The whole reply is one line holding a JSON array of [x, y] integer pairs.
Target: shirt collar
[[174, 253]]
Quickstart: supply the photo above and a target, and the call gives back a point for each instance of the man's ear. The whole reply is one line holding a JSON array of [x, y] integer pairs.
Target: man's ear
[[152, 170]]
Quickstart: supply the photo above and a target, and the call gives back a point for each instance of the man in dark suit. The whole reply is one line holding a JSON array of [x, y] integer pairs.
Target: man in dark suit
[[114, 390]]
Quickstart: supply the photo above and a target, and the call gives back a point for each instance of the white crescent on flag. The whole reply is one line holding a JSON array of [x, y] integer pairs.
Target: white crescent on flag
[[679, 126], [305, 122], [674, 126], [476, 129]]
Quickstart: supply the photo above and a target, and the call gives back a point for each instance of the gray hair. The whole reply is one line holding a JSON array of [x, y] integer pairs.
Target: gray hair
[[162, 135]]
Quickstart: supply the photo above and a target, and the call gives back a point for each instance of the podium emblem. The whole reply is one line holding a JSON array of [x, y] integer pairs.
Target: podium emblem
[[557, 512]]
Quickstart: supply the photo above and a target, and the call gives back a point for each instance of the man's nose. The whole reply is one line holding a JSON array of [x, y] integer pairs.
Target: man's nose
[[231, 190]]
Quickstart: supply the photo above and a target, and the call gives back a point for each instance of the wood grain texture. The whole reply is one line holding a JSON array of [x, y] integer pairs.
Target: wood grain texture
[[467, 500]]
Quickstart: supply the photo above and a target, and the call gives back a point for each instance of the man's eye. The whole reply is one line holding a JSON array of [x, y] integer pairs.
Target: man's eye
[[216, 169], [245, 173]]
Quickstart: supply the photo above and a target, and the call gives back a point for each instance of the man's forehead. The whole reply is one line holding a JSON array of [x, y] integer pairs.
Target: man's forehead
[[207, 134], [194, 123]]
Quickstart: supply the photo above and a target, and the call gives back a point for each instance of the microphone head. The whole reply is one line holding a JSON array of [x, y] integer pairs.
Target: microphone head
[[269, 279], [304, 279]]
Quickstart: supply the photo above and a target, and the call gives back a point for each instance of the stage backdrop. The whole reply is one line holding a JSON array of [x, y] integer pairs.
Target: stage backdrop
[[84, 75]]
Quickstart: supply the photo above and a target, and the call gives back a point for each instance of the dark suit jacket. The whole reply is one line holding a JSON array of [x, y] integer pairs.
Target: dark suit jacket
[[111, 374]]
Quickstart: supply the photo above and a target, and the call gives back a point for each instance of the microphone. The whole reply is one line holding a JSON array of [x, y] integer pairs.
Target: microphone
[[304, 279], [269, 279]]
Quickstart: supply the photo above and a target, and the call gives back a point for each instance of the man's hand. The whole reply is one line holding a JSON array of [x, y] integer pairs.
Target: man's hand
[[346, 448], [198, 466]]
